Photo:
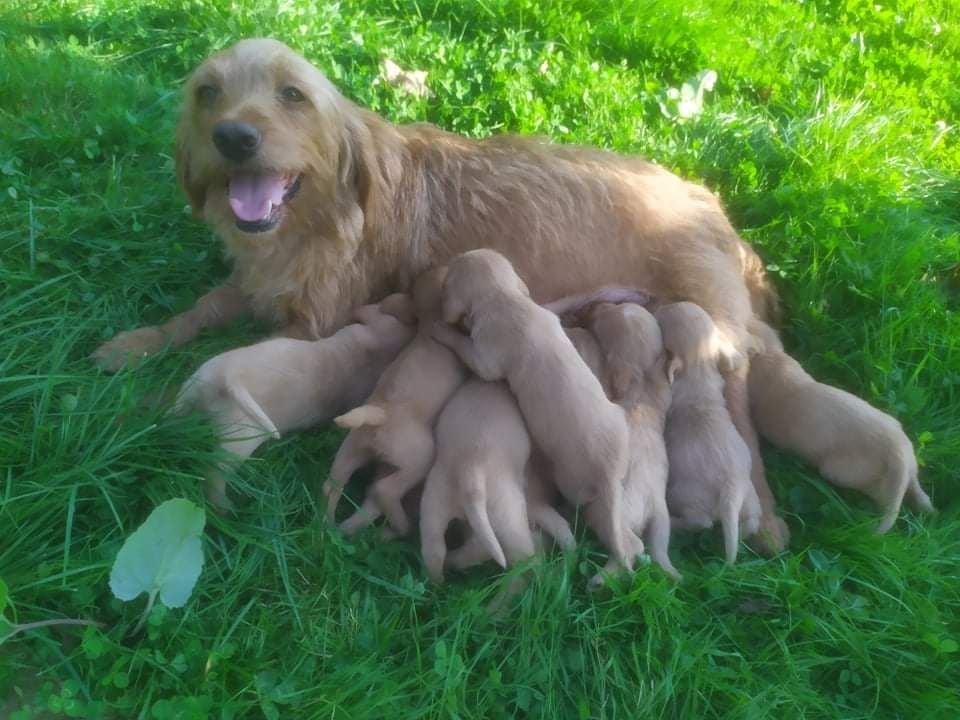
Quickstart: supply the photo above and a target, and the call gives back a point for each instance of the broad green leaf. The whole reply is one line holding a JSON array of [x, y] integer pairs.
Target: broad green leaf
[[4, 596], [164, 555]]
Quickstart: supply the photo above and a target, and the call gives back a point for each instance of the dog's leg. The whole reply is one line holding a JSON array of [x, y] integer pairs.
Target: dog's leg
[[773, 535], [220, 306], [434, 518], [412, 452], [554, 524], [472, 552], [353, 454], [658, 539]]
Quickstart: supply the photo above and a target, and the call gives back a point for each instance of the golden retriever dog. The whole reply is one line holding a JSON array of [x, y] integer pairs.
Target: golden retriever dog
[[324, 206], [635, 361], [483, 450], [709, 461], [849, 441], [395, 426], [568, 415], [260, 391]]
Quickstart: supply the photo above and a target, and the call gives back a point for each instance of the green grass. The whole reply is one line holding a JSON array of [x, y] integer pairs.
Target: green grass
[[831, 137]]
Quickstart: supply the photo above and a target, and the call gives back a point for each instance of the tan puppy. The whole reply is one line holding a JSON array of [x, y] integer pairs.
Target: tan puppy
[[568, 415], [395, 426], [709, 460], [260, 391], [850, 442], [483, 450], [630, 341]]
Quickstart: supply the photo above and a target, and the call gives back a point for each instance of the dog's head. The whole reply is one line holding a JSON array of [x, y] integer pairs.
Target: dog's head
[[630, 341], [690, 337], [265, 139], [474, 277]]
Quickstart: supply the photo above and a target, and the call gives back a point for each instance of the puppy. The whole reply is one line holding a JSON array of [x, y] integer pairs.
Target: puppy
[[709, 460], [483, 452], [260, 391], [568, 415], [395, 426], [632, 347], [850, 442]]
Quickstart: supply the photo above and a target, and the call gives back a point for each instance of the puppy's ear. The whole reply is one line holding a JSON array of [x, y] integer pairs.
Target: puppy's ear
[[674, 365], [400, 305], [195, 191]]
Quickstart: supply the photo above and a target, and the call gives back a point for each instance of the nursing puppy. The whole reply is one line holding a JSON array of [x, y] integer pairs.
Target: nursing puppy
[[483, 451], [850, 442], [568, 415], [635, 362], [709, 461], [395, 426], [260, 391]]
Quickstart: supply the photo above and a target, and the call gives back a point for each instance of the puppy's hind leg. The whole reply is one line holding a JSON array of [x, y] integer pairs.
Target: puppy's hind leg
[[658, 539], [435, 515], [412, 452], [353, 454], [554, 524]]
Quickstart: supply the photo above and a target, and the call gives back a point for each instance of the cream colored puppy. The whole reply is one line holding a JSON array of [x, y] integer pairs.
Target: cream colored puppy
[[568, 415], [709, 460], [483, 451], [632, 348], [850, 442], [260, 391], [395, 426]]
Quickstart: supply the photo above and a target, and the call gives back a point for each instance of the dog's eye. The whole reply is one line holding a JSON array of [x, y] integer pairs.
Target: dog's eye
[[206, 94], [292, 94]]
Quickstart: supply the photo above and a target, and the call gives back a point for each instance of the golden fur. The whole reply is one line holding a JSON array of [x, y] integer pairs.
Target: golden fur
[[635, 362], [581, 433], [849, 441], [395, 426], [709, 460], [483, 453], [380, 203], [260, 391]]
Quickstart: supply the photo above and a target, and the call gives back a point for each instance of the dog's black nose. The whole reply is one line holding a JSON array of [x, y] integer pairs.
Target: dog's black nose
[[237, 141]]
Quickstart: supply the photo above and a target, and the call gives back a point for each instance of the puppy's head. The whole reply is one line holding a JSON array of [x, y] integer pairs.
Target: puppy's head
[[265, 140], [689, 336], [473, 278], [630, 341]]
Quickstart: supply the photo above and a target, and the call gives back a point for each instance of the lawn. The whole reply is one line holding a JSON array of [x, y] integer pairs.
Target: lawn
[[831, 135]]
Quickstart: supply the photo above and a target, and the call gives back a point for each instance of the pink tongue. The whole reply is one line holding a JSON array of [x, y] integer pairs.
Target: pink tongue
[[252, 196]]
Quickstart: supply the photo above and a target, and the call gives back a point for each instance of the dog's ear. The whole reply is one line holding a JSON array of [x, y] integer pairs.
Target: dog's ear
[[359, 173], [400, 305], [674, 365], [195, 191]]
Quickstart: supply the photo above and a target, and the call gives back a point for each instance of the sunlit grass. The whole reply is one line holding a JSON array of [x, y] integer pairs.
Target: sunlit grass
[[830, 137]]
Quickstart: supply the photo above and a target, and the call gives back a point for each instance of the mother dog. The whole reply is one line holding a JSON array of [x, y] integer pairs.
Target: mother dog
[[324, 206]]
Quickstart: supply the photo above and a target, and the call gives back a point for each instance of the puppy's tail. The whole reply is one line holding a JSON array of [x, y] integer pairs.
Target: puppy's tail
[[475, 508], [730, 521], [364, 415], [903, 473]]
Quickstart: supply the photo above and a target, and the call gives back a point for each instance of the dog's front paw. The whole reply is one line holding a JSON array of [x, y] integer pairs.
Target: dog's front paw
[[129, 347], [772, 537]]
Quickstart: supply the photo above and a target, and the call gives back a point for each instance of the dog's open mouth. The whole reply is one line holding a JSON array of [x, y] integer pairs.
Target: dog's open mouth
[[257, 200]]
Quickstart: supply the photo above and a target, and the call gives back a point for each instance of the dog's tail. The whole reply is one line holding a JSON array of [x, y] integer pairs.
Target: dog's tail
[[903, 483], [362, 416], [475, 508], [730, 521]]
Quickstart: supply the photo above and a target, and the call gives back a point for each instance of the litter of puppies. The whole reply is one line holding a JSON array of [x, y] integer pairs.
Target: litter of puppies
[[513, 420]]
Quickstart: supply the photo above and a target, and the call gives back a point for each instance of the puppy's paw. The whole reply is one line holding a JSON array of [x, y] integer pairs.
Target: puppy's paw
[[129, 348], [772, 537]]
